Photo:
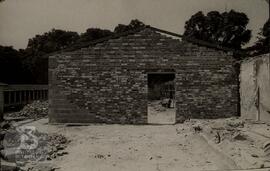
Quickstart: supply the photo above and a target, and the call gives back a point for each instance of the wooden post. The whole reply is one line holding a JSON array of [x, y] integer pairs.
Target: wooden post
[[34, 95], [2, 86], [15, 97], [258, 105], [39, 95], [43, 94], [46, 94], [29, 96], [24, 97], [20, 97], [9, 97]]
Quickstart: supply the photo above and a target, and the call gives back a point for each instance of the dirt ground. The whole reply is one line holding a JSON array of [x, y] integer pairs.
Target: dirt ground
[[156, 148], [157, 114]]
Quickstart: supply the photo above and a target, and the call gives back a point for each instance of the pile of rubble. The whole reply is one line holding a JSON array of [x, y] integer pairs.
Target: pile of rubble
[[23, 145], [237, 138], [56, 146], [221, 129], [37, 109], [229, 129]]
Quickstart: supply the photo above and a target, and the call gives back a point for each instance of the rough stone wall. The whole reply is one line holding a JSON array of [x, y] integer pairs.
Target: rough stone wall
[[255, 88], [107, 83]]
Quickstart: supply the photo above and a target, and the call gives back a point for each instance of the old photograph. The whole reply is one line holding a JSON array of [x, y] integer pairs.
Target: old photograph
[[134, 85]]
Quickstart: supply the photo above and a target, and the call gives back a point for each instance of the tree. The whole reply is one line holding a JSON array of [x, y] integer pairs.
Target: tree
[[33, 61], [35, 54], [38, 46], [263, 43], [51, 41], [11, 67], [227, 29], [132, 25], [94, 34]]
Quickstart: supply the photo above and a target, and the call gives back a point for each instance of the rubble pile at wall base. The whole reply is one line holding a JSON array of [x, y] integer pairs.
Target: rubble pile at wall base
[[36, 109]]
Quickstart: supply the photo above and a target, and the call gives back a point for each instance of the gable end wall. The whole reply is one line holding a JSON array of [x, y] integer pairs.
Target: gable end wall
[[107, 83]]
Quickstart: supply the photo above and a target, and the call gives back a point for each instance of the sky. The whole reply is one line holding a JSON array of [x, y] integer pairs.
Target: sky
[[23, 19]]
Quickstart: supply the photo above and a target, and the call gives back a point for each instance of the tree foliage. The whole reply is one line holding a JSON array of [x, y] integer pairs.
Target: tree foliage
[[11, 67], [263, 43], [94, 34], [38, 46], [226, 29], [51, 41], [30, 65], [131, 26]]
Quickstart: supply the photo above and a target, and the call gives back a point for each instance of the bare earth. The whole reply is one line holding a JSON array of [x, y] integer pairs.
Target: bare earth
[[160, 115], [220, 144], [144, 148]]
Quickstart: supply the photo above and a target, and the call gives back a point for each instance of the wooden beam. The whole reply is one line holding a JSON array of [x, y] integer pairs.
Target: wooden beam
[[2, 86]]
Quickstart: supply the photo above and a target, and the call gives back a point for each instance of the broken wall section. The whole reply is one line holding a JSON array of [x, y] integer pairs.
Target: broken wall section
[[255, 88]]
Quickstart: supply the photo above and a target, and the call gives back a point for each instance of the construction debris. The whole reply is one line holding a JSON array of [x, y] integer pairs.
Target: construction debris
[[197, 128], [156, 106], [217, 138], [166, 103], [254, 155], [4, 125], [35, 110], [56, 145], [239, 136], [235, 123]]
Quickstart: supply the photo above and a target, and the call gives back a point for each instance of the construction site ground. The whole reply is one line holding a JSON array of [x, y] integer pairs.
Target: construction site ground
[[193, 145]]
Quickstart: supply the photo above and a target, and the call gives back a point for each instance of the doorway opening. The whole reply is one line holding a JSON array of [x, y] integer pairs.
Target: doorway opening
[[161, 98]]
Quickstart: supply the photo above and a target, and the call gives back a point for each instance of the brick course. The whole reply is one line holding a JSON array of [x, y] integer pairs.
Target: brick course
[[107, 83]]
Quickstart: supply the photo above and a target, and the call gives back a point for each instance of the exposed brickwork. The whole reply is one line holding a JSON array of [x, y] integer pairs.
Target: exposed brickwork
[[108, 82]]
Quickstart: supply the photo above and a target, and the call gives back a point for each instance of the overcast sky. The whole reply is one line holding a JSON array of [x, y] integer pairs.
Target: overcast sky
[[23, 19]]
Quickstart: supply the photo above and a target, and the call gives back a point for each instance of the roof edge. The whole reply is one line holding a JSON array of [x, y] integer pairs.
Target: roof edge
[[117, 35], [197, 41], [91, 43]]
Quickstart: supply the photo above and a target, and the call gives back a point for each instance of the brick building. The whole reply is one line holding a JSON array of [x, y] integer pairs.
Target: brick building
[[107, 81]]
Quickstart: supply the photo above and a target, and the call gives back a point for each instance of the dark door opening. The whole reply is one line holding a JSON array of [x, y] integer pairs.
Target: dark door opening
[[161, 98]]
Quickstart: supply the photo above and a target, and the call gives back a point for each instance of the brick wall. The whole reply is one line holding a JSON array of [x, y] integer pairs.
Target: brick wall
[[107, 83]]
